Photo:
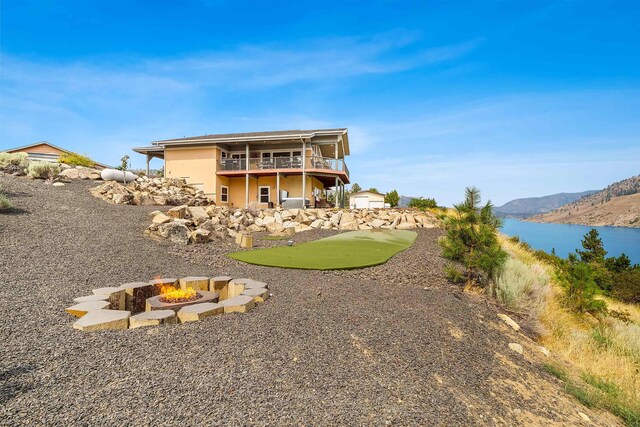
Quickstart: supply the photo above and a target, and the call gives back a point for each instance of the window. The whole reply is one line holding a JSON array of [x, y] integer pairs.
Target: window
[[263, 194], [223, 154], [266, 155], [224, 194]]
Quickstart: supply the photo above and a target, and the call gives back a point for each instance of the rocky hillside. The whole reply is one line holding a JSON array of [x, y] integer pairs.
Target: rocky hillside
[[529, 206], [617, 205]]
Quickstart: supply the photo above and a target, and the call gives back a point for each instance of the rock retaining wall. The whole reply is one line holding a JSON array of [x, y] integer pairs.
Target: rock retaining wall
[[197, 224], [151, 191]]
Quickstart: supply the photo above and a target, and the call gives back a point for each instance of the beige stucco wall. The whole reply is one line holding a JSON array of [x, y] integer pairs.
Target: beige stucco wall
[[198, 165]]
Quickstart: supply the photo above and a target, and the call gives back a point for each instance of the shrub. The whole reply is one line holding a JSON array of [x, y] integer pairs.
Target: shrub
[[16, 159], [422, 203], [519, 286], [43, 170], [627, 286], [472, 238], [5, 203], [453, 274], [75, 159]]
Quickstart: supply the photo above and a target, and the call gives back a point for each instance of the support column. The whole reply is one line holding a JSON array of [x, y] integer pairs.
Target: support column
[[148, 160], [277, 188], [246, 176], [304, 173], [335, 193]]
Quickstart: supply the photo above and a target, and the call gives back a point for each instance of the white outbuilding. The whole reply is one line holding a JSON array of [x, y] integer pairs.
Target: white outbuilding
[[366, 200]]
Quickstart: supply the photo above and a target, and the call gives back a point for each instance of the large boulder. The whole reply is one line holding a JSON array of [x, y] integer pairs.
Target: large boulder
[[176, 232], [198, 215], [70, 173]]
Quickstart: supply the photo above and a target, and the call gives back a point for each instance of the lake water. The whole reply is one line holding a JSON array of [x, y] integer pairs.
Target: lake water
[[565, 238]]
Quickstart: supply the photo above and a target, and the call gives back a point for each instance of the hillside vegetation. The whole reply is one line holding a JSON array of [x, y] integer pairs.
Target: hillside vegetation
[[617, 205]]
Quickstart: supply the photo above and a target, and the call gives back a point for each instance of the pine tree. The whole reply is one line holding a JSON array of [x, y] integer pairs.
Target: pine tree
[[355, 188], [392, 198], [472, 238], [593, 248]]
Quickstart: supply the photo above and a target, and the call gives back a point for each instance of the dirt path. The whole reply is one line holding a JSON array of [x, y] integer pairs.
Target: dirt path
[[368, 347]]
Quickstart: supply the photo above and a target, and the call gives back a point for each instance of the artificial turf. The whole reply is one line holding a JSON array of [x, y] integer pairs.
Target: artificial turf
[[355, 249]]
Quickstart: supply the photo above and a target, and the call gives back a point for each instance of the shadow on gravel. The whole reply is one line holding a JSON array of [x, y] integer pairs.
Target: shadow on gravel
[[10, 386], [14, 211]]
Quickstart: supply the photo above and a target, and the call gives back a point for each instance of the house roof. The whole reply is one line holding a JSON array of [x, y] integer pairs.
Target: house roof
[[259, 135], [340, 135], [37, 143], [64, 150], [366, 192]]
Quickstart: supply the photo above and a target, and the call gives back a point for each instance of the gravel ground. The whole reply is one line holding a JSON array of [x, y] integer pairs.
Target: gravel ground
[[365, 347]]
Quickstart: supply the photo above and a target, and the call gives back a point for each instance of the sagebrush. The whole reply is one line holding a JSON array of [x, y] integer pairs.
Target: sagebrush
[[19, 160], [43, 170], [520, 287]]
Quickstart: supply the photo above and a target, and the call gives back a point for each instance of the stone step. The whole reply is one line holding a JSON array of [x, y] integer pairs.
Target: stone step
[[81, 309], [116, 296], [238, 304], [195, 283], [90, 298], [152, 318], [258, 294], [194, 312], [99, 320], [255, 285], [136, 294]]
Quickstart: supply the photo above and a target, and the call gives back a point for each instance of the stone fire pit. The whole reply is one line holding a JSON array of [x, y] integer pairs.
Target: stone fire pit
[[156, 303], [166, 301]]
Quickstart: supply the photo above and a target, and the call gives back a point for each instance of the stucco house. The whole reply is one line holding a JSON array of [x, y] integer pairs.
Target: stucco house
[[44, 151], [268, 168], [366, 200]]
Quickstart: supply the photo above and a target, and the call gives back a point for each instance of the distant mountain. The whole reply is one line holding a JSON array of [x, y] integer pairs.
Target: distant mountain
[[404, 201], [526, 207], [617, 205]]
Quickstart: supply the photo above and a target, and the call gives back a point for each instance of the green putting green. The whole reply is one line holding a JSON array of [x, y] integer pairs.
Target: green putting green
[[355, 249]]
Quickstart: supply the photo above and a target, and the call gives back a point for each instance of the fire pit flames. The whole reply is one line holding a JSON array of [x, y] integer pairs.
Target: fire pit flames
[[171, 295]]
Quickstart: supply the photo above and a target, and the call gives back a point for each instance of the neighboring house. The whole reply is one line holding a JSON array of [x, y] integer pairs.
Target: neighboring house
[[268, 168], [45, 152], [366, 200]]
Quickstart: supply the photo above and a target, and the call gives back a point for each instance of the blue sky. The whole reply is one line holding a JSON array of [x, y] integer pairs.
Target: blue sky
[[517, 98]]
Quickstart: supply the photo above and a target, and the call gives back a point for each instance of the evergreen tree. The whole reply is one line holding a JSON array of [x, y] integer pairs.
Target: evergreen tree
[[392, 198], [472, 238], [373, 190], [593, 248], [355, 188]]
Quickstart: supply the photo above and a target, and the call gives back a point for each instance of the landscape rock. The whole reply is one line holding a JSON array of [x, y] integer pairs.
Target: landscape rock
[[195, 283], [192, 313], [90, 298], [222, 222], [80, 309], [145, 191], [258, 294], [509, 321], [136, 294], [516, 347], [116, 296], [99, 320], [152, 318], [238, 304]]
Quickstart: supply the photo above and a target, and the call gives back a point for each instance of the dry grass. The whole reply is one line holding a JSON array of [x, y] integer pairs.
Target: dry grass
[[606, 354]]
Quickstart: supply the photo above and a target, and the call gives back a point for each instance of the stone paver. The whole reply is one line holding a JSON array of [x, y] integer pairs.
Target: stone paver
[[219, 284], [195, 283], [195, 312], [238, 304], [258, 294], [236, 287], [103, 319], [255, 285], [90, 298], [152, 318], [116, 296], [136, 294], [83, 308]]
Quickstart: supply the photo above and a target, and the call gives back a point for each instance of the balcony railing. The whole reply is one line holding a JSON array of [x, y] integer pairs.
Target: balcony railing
[[293, 162]]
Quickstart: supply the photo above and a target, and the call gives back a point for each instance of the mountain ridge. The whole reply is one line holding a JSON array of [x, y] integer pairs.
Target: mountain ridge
[[530, 206]]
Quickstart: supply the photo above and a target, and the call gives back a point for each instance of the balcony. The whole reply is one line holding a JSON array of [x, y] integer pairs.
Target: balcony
[[292, 164]]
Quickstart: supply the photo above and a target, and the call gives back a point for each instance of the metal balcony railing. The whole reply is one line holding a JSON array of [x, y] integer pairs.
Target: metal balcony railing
[[293, 162]]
